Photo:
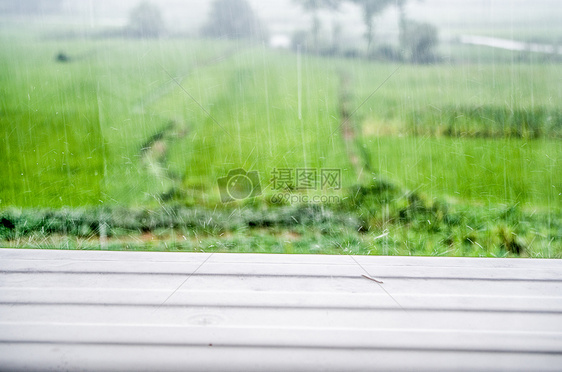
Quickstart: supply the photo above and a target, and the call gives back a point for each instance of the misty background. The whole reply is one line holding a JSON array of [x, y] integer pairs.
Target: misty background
[[537, 20]]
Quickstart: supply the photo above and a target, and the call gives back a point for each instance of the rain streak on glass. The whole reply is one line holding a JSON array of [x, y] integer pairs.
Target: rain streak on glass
[[378, 127]]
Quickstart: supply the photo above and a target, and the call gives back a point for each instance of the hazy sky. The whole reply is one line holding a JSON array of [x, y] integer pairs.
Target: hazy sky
[[284, 16]]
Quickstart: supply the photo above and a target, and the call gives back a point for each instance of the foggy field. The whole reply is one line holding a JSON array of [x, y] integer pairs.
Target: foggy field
[[460, 157], [91, 118]]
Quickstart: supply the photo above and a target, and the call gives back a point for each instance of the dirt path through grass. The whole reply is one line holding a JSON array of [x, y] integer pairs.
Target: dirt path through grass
[[153, 152], [358, 156]]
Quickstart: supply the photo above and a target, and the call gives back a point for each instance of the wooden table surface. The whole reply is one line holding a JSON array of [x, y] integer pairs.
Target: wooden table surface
[[137, 311]]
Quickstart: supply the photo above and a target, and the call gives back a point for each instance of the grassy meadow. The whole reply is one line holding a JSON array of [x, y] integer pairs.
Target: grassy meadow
[[121, 147]]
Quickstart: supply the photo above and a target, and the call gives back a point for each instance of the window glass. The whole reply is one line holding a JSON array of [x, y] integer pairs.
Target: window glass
[[290, 126]]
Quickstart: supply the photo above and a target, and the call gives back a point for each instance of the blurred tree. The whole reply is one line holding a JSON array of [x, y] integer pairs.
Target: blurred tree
[[420, 40], [232, 19], [370, 9], [337, 30], [402, 21], [313, 7], [145, 20]]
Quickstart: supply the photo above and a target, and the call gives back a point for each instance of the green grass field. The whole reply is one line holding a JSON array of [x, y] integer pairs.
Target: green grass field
[[112, 129]]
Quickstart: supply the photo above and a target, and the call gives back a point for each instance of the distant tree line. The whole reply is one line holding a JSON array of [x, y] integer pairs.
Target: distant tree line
[[417, 40], [234, 19]]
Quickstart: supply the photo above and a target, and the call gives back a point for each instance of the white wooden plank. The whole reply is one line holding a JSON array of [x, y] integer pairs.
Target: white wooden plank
[[279, 299], [288, 317], [73, 266], [467, 287], [275, 337], [354, 284], [427, 261], [385, 261], [27, 357], [54, 280], [305, 265], [73, 309], [480, 262], [99, 255], [270, 269]]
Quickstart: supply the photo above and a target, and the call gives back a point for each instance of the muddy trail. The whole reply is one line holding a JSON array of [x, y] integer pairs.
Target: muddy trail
[[153, 152], [358, 155]]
